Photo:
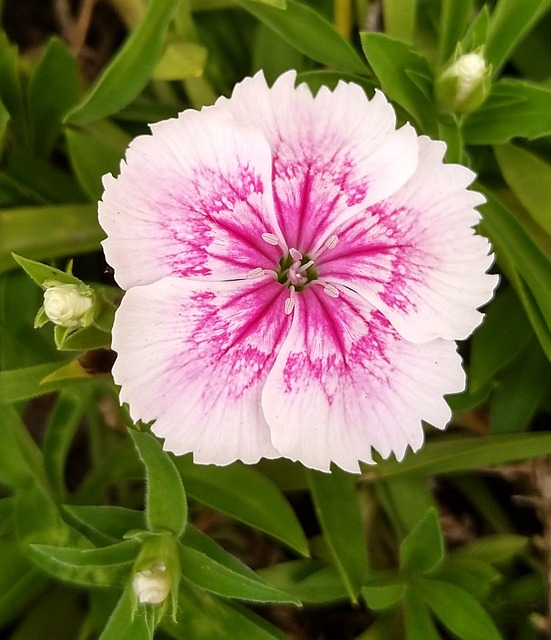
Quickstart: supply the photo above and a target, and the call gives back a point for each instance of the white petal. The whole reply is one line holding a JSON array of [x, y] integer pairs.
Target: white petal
[[194, 357], [345, 383], [332, 154], [193, 199], [415, 255]]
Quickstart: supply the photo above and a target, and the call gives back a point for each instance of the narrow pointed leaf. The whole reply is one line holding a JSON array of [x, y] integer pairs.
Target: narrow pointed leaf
[[222, 580], [458, 611], [166, 503], [337, 508], [245, 494], [102, 567], [309, 32], [130, 69], [52, 92], [405, 76]]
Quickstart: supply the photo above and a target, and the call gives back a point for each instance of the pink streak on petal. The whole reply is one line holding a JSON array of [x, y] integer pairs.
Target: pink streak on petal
[[193, 199], [332, 154], [415, 256], [194, 357], [345, 382]]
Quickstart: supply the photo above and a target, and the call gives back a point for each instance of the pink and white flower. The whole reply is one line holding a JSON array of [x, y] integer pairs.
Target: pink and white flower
[[297, 272]]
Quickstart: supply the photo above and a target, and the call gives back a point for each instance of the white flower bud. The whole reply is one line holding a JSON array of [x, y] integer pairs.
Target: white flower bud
[[66, 306], [464, 85], [152, 585]]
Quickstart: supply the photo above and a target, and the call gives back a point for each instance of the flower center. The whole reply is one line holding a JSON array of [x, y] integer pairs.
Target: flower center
[[296, 271]]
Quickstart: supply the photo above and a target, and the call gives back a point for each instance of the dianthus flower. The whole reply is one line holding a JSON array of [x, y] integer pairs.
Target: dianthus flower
[[297, 272]]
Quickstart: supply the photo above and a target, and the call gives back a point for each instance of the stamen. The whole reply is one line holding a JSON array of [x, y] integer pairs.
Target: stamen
[[290, 302], [255, 273], [305, 267], [330, 243], [331, 290], [270, 238], [296, 255]]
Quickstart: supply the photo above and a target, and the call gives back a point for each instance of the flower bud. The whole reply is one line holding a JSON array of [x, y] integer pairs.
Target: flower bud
[[69, 305], [152, 585], [464, 85]]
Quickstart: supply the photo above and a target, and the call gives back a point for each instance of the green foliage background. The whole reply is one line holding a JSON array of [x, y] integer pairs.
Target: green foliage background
[[434, 547]]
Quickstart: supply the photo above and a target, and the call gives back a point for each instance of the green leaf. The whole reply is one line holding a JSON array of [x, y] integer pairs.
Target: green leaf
[[337, 508], [130, 69], [181, 59], [62, 425], [95, 150], [104, 524], [310, 581], [202, 543], [475, 576], [245, 494], [423, 548], [166, 503], [520, 390], [382, 596], [514, 109], [477, 32], [459, 454], [127, 623], [20, 581], [102, 567], [510, 21], [530, 180], [4, 119], [52, 92], [497, 343], [222, 580], [419, 624], [26, 383], [532, 265], [456, 609], [11, 93], [405, 76], [493, 549], [47, 232], [309, 32], [454, 17], [399, 18], [20, 459], [205, 617]]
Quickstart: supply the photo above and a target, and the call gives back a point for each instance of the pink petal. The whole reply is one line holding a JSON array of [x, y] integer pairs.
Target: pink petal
[[345, 382], [193, 199], [194, 357], [415, 256], [332, 155]]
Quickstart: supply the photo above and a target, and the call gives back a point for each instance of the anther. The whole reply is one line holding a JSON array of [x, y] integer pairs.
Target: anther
[[331, 290], [296, 255], [331, 242], [290, 301], [270, 238], [255, 273]]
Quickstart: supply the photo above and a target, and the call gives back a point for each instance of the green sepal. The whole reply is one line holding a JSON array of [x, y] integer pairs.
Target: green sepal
[[44, 274]]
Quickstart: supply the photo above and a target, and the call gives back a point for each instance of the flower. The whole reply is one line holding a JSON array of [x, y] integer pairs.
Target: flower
[[152, 585], [68, 305], [297, 271]]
